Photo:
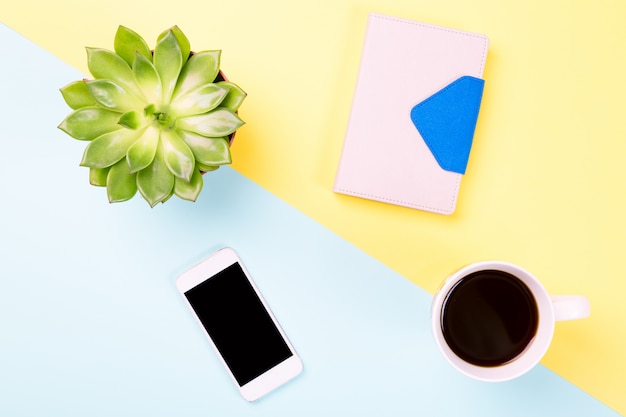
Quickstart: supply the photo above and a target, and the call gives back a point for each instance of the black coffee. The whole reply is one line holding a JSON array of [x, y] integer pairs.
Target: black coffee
[[489, 317]]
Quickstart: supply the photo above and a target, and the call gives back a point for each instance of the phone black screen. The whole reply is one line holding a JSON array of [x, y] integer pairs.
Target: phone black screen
[[238, 323]]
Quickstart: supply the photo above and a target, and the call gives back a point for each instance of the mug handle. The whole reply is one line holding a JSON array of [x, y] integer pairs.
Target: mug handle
[[570, 307]]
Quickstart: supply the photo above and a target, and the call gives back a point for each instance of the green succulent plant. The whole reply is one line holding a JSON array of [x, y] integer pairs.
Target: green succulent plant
[[154, 120]]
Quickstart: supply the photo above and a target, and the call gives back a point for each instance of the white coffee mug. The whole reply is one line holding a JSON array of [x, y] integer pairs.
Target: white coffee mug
[[479, 330]]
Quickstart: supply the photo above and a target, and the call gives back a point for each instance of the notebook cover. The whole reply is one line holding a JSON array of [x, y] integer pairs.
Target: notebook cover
[[413, 114]]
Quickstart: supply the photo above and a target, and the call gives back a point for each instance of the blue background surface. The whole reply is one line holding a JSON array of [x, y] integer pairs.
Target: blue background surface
[[91, 322]]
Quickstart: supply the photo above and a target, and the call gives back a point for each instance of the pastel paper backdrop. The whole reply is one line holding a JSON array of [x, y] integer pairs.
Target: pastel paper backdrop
[[544, 186]]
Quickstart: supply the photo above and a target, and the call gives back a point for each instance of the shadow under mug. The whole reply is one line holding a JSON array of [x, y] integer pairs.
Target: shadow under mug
[[482, 328]]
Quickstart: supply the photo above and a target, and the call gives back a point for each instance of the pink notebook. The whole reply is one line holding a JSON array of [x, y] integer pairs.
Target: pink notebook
[[413, 114]]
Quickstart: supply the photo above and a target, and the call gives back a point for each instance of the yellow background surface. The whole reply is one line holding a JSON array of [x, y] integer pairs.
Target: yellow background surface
[[546, 181]]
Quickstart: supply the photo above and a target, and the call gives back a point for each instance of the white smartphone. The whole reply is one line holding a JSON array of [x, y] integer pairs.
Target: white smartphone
[[239, 324]]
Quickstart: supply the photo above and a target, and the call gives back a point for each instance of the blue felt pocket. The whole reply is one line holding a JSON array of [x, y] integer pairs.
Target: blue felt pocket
[[447, 121]]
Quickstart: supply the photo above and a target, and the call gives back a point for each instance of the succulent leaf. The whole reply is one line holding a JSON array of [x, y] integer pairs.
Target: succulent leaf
[[171, 194], [128, 43], [207, 168], [201, 69], [106, 65], [208, 151], [88, 123], [168, 63], [112, 96], [141, 153], [147, 78], [76, 95], [121, 184], [98, 176], [177, 155], [200, 100], [218, 123], [149, 110], [133, 120], [156, 182], [109, 148], [189, 190], [235, 96], [181, 38]]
